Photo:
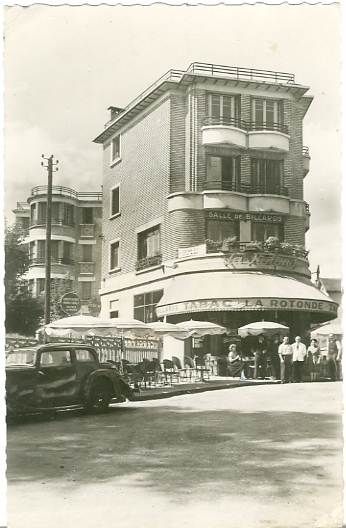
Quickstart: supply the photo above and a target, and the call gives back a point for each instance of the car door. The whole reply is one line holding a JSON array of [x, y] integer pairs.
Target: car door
[[57, 380]]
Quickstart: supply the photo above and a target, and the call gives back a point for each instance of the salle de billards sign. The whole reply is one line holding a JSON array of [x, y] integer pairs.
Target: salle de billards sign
[[70, 303]]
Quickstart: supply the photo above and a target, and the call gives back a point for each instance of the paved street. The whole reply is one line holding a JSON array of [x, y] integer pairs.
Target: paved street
[[252, 457]]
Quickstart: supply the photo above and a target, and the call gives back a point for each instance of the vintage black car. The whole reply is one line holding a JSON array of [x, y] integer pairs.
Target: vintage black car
[[56, 376]]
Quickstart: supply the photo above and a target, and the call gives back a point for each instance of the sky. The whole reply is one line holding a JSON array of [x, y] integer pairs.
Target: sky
[[65, 65]]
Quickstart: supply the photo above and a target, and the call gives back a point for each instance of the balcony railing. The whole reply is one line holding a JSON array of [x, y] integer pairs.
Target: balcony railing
[[306, 151], [86, 268], [148, 262], [217, 185], [281, 248], [248, 74], [226, 121], [66, 191], [55, 221], [40, 261], [246, 125], [87, 230]]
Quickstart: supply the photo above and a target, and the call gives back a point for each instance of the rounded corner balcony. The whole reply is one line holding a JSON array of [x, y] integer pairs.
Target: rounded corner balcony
[[268, 136], [244, 134], [306, 160], [219, 131]]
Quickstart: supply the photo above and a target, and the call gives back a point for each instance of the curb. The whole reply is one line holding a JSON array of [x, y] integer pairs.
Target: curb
[[194, 390]]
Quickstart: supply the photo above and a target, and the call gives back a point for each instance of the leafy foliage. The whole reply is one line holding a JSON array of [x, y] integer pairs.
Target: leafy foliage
[[23, 311]]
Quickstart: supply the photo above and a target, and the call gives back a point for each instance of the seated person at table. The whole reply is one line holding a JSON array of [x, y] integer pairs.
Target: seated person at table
[[235, 364]]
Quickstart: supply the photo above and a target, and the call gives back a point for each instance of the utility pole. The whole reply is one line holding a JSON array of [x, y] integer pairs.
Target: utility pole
[[50, 170]]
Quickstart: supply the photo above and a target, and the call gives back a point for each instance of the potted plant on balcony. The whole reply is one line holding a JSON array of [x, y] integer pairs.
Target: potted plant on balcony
[[287, 248], [300, 251], [229, 244], [253, 246], [271, 244], [213, 246]]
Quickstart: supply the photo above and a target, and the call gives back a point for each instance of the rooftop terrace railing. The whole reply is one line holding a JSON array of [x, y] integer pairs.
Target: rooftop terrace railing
[[66, 191], [210, 69], [241, 73]]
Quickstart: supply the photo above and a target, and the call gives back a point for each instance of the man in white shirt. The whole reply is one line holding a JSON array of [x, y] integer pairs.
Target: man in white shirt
[[285, 354], [299, 354]]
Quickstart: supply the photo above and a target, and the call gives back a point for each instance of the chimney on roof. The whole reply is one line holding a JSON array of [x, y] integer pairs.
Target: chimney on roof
[[115, 110]]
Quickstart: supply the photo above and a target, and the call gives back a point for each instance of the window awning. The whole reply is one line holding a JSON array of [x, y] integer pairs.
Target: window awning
[[229, 291]]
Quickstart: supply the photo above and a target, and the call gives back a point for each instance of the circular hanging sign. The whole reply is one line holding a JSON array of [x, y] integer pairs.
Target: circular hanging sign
[[70, 303]]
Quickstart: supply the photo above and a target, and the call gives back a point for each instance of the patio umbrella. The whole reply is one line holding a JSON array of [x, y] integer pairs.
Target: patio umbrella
[[77, 326], [267, 328], [127, 326], [202, 328], [327, 329], [163, 329]]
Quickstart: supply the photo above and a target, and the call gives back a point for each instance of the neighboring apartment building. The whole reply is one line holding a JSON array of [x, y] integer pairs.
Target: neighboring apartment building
[[76, 240], [199, 171], [333, 288]]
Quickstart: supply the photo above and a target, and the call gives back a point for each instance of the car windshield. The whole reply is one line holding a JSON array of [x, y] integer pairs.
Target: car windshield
[[21, 356]]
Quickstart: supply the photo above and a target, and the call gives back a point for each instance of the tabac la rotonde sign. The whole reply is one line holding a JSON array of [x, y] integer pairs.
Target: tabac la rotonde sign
[[70, 303]]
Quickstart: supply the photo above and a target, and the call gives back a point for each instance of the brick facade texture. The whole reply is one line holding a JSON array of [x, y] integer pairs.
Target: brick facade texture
[[143, 174], [162, 153]]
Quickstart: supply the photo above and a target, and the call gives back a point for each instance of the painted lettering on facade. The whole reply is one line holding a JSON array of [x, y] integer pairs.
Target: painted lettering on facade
[[255, 217], [209, 305], [262, 260]]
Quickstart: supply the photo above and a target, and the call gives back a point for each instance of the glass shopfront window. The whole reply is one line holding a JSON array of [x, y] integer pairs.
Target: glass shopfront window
[[144, 306], [261, 231], [219, 230]]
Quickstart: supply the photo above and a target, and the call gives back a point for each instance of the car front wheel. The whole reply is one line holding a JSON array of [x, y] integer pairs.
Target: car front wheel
[[99, 398]]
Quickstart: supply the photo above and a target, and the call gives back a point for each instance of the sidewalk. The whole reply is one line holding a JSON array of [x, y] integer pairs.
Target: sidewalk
[[215, 383]]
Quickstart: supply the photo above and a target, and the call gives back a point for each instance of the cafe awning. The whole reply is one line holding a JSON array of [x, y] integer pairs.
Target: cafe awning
[[229, 291]]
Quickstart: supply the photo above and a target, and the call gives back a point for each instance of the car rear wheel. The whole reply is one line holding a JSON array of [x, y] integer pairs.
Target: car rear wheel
[[99, 398]]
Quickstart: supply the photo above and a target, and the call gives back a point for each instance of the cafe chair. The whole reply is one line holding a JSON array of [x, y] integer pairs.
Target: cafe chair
[[202, 370], [191, 370], [178, 368], [170, 372]]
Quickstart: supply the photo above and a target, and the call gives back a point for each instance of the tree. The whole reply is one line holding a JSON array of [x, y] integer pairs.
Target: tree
[[23, 311], [58, 288], [16, 256]]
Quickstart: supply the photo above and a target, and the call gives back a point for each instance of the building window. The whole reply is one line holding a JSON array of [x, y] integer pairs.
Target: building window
[[144, 306], [115, 149], [54, 249], [41, 249], [223, 109], [267, 176], [149, 243], [219, 230], [56, 213], [31, 250], [68, 215], [87, 253], [267, 114], [42, 213], [261, 231], [86, 291], [115, 255], [87, 215], [149, 249], [114, 314], [32, 213], [223, 172], [115, 201], [40, 285], [67, 253]]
